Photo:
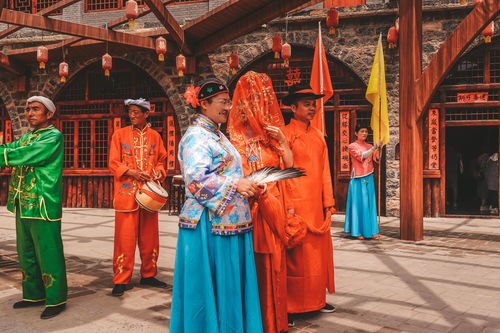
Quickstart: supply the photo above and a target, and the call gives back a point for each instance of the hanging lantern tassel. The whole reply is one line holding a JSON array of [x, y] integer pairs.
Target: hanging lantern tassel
[[161, 48], [234, 62], [131, 12], [107, 64], [332, 20], [277, 46], [392, 37], [488, 32], [63, 71], [180, 63], [286, 53], [42, 56]]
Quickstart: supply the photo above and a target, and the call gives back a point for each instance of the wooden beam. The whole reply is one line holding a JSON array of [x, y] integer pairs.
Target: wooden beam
[[169, 22], [247, 24], [75, 29], [44, 12], [452, 49], [410, 127]]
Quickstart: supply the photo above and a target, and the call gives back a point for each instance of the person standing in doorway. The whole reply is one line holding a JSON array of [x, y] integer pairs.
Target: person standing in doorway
[[35, 195], [137, 155], [310, 264]]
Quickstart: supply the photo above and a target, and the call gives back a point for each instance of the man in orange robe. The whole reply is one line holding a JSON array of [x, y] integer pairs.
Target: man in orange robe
[[137, 155], [310, 264]]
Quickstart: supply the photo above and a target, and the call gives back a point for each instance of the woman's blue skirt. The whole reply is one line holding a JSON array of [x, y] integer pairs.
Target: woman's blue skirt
[[215, 283], [361, 209]]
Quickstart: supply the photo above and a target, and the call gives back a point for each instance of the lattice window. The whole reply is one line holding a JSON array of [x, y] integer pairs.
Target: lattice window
[[98, 5], [32, 6], [118, 86], [86, 143], [473, 113], [467, 71], [68, 130], [352, 99], [77, 109], [495, 66], [101, 143]]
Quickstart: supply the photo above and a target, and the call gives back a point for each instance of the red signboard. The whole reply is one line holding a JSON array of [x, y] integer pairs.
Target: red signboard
[[8, 131], [171, 140], [472, 97], [293, 76], [433, 125], [344, 129]]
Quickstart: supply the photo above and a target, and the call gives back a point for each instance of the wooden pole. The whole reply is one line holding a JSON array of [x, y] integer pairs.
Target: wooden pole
[[410, 126]]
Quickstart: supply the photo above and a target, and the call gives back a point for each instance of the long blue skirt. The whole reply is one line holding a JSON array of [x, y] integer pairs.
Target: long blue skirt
[[215, 283], [361, 209]]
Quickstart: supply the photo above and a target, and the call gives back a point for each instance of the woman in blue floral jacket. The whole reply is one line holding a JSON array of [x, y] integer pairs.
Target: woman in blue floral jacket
[[215, 282]]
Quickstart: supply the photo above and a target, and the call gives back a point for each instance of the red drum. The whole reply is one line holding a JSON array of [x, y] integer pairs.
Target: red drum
[[151, 196]]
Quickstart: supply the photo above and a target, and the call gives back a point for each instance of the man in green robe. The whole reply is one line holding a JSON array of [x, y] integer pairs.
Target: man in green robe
[[35, 192]]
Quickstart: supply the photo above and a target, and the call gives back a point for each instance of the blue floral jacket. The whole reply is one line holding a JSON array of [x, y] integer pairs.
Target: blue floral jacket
[[211, 168]]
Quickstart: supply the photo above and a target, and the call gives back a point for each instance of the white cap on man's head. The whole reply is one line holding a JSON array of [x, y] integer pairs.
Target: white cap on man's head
[[44, 100]]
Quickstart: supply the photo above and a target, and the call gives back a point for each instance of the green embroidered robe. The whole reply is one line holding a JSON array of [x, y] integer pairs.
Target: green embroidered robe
[[36, 181]]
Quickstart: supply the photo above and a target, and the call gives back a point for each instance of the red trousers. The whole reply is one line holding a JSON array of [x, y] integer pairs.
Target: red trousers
[[129, 227]]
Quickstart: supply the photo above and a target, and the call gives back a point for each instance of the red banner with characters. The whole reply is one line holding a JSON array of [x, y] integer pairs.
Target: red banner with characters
[[171, 140], [344, 128], [433, 126]]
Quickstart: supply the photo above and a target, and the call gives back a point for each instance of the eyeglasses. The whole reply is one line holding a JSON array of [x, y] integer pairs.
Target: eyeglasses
[[225, 102]]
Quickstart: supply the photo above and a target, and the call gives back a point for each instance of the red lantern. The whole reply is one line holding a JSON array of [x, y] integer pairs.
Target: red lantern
[[277, 46], [63, 71], [107, 63], [161, 48], [477, 2], [332, 20], [488, 32], [42, 56], [131, 12], [234, 62], [180, 63], [392, 37], [286, 53]]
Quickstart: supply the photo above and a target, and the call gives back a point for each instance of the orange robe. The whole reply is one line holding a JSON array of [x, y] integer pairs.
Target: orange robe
[[132, 148], [310, 264], [268, 217]]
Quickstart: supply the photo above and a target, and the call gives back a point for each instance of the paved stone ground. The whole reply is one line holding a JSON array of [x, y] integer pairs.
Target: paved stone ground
[[450, 282]]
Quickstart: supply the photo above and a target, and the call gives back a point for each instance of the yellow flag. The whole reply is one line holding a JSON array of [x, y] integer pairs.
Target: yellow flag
[[376, 94]]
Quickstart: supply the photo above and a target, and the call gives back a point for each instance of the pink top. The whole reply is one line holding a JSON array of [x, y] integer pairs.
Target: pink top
[[360, 167]]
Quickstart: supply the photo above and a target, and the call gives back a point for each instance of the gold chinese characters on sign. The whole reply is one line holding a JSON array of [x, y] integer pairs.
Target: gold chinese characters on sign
[[344, 141], [433, 125]]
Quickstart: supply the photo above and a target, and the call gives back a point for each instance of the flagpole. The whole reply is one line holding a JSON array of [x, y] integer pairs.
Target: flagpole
[[379, 133], [321, 87]]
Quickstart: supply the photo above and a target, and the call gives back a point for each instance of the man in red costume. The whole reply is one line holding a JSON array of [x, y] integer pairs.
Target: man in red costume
[[137, 155], [310, 264]]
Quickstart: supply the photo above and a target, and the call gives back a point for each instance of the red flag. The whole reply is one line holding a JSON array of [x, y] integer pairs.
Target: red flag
[[320, 82]]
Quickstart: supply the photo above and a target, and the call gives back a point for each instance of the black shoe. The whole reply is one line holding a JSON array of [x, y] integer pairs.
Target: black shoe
[[26, 304], [52, 311], [291, 322], [118, 289], [153, 282], [328, 308]]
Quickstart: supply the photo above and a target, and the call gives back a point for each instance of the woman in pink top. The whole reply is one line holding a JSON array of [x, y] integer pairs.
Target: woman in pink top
[[361, 209]]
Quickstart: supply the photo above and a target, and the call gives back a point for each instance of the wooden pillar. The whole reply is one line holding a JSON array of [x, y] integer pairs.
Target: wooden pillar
[[410, 125]]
